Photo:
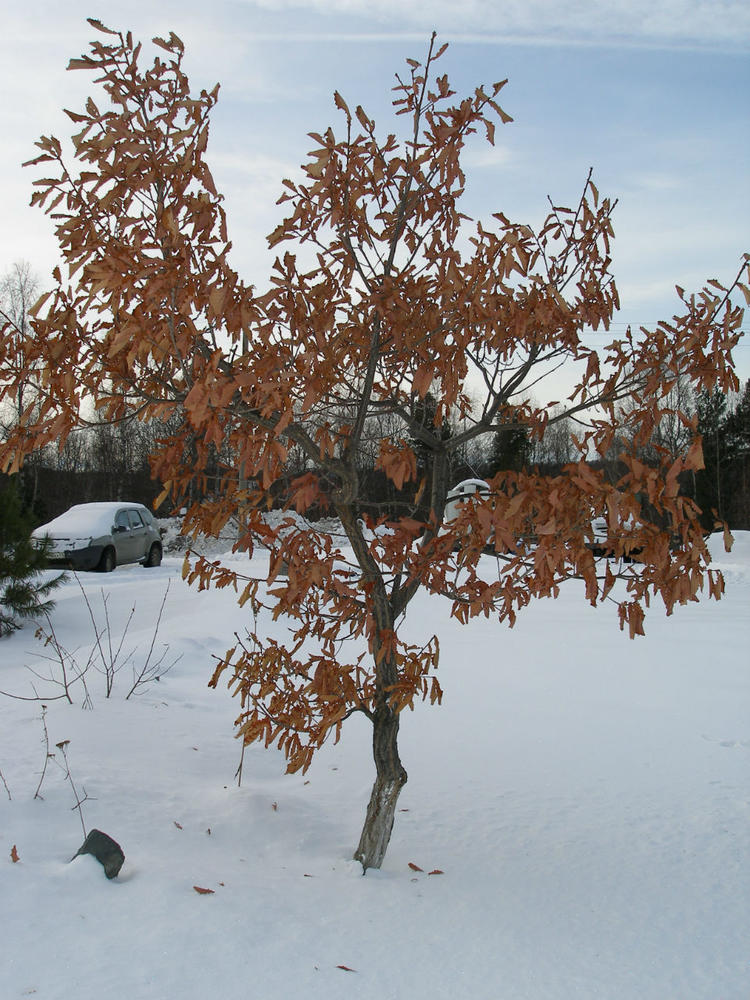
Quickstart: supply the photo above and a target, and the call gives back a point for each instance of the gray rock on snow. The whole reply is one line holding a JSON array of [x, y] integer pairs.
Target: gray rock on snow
[[106, 851]]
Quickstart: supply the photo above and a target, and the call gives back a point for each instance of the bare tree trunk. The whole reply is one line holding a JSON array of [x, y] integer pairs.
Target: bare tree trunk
[[390, 779], [390, 776]]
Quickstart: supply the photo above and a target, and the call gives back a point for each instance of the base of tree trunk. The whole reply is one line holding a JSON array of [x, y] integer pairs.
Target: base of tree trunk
[[376, 833]]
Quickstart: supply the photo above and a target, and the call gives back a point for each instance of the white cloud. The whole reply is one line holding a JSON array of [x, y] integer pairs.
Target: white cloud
[[701, 23], [655, 182], [488, 156]]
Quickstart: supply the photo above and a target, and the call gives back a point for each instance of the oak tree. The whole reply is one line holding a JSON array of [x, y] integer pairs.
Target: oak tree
[[383, 296]]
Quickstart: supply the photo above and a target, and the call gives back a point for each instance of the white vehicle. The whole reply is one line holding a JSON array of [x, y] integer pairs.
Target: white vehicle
[[602, 544], [102, 535], [466, 490]]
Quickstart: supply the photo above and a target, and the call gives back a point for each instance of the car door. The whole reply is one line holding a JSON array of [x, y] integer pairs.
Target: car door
[[139, 535], [122, 535]]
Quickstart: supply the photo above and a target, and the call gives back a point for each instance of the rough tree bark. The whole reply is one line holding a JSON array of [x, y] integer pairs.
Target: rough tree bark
[[390, 775], [389, 780]]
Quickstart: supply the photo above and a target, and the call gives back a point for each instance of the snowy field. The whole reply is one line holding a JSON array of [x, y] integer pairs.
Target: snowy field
[[585, 798]]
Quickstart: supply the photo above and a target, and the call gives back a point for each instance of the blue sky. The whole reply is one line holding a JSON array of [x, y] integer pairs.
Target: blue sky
[[653, 96]]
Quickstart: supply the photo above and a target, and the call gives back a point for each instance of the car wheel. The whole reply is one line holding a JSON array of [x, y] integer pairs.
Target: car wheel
[[108, 561], [154, 556]]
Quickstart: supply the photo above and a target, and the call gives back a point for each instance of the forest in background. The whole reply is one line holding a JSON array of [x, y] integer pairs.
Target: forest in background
[[110, 461]]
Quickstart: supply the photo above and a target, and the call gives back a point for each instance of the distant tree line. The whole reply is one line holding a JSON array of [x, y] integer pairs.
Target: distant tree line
[[724, 484], [721, 489], [110, 460]]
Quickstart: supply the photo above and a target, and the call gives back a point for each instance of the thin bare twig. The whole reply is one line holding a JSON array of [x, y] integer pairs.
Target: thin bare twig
[[150, 672], [62, 747], [110, 665], [47, 754]]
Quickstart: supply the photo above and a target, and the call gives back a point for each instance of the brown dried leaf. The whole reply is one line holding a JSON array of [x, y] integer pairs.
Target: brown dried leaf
[[341, 103], [728, 539], [203, 892], [83, 63], [96, 23], [14, 855]]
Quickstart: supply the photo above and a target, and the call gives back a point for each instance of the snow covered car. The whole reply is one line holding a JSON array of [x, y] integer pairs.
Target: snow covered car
[[602, 546], [102, 535], [462, 492]]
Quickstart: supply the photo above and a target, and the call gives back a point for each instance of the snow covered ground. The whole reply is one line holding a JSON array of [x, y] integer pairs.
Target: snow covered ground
[[585, 798]]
